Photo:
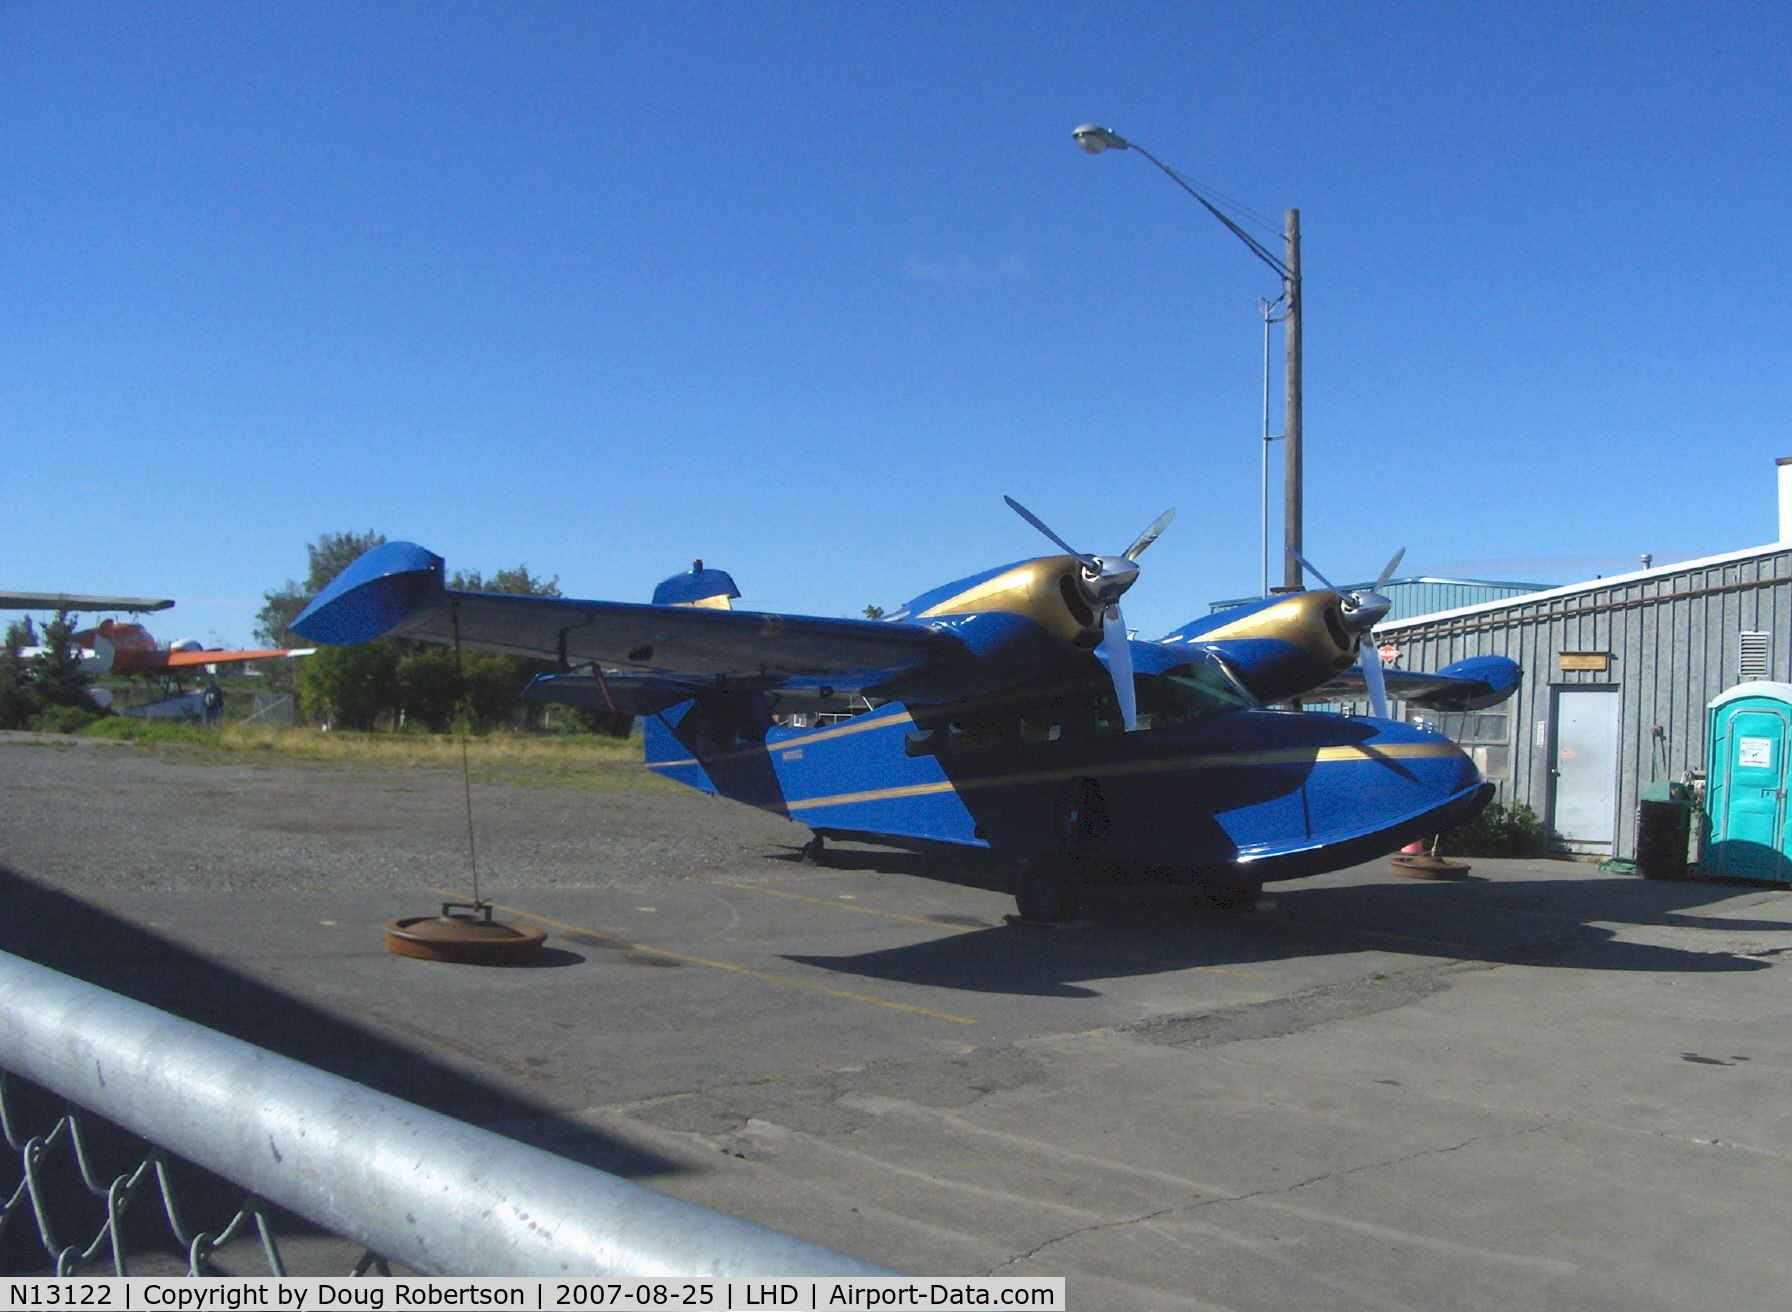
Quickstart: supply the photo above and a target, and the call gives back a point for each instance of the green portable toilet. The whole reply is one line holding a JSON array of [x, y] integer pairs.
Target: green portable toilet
[[1749, 731]]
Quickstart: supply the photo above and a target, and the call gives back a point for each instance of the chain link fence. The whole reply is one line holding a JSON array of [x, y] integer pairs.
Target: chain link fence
[[117, 1111]]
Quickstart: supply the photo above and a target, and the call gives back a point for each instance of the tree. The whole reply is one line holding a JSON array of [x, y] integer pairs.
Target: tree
[[493, 681], [56, 670], [46, 689], [19, 701], [351, 687], [518, 582]]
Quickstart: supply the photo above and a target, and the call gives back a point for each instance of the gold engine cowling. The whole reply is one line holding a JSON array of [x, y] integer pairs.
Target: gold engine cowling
[[1312, 642], [1049, 591]]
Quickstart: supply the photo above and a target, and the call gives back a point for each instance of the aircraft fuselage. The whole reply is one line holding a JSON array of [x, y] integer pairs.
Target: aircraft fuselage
[[1250, 793]]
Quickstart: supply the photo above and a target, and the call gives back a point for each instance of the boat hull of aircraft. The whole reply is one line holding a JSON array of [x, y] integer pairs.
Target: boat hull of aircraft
[[1237, 799]]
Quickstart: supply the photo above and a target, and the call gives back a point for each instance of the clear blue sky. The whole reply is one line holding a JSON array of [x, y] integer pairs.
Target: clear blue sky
[[804, 289]]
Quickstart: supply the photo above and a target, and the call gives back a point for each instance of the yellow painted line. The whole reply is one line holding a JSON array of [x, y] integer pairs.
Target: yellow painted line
[[718, 965], [839, 906], [1082, 948]]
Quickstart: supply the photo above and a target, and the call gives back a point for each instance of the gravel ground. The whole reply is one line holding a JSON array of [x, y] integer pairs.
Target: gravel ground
[[65, 802]]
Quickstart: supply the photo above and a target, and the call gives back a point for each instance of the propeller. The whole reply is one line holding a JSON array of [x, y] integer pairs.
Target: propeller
[[1361, 611], [1103, 580]]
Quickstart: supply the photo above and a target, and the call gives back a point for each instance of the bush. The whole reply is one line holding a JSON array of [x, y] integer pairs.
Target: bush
[[65, 719], [1500, 830]]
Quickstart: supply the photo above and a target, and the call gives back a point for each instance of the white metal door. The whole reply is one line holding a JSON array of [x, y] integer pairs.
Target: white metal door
[[1584, 774]]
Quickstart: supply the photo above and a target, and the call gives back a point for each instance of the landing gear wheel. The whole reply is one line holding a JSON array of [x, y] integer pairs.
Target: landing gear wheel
[[815, 851], [1048, 890]]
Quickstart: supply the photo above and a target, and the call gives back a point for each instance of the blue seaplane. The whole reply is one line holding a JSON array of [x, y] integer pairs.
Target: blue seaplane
[[1010, 711]]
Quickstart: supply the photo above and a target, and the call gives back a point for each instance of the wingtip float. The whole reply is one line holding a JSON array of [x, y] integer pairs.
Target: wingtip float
[[373, 596]]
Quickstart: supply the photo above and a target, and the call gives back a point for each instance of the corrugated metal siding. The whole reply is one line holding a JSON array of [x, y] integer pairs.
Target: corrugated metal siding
[[1423, 596], [1674, 640], [1412, 597]]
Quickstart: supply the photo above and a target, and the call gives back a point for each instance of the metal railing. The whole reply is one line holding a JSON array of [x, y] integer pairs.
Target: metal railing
[[438, 1195]]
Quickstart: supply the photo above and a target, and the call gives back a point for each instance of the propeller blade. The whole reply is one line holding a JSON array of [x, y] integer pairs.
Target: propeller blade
[[1150, 535], [1311, 568], [1388, 573], [1039, 524], [1369, 656], [1117, 648]]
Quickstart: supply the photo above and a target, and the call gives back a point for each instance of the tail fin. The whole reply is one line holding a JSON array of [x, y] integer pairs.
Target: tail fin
[[716, 743]]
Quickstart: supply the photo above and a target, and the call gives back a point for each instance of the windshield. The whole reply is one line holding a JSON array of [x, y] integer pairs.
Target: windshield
[[1189, 692]]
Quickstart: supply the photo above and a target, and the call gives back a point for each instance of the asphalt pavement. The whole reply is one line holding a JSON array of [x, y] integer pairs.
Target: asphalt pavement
[[1538, 1087]]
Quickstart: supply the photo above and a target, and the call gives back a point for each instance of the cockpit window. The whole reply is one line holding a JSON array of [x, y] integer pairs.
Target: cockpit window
[[1088, 707], [1198, 690]]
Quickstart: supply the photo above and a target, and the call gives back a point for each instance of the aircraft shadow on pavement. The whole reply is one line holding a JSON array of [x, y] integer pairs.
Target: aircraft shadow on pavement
[[78, 939], [1125, 932]]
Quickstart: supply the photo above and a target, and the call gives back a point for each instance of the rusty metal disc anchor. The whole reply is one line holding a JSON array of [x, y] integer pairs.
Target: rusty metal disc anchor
[[1428, 867], [466, 933]]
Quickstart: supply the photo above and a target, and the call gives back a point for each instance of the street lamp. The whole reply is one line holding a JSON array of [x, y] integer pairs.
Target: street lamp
[[1094, 138]]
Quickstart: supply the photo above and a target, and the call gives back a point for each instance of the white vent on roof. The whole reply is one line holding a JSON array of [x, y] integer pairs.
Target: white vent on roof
[[1752, 659]]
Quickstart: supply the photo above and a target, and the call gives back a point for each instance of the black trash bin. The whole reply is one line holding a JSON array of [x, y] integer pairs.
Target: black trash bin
[[1662, 829]]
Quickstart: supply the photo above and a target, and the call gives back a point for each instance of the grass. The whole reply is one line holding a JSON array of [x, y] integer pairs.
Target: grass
[[544, 760]]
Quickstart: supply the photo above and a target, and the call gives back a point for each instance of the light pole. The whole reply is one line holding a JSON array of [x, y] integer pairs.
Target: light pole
[[1095, 139]]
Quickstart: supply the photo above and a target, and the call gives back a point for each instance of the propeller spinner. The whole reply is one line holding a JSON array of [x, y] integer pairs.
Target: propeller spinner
[[1361, 611], [1103, 580]]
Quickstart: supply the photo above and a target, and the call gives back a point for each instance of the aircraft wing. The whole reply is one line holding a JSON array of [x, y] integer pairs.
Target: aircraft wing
[[77, 604], [397, 589], [1468, 685], [140, 662]]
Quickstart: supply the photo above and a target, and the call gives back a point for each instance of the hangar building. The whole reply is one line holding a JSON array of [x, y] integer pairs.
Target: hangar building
[[1618, 673]]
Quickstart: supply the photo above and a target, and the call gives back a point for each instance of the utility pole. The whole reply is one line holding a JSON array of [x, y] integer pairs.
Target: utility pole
[[1291, 454], [1094, 139]]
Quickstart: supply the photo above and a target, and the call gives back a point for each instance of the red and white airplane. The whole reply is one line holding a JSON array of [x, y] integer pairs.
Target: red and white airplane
[[115, 647], [122, 648]]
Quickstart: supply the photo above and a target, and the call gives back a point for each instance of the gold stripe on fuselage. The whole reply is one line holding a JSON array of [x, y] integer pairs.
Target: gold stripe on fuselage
[[1280, 756], [841, 730]]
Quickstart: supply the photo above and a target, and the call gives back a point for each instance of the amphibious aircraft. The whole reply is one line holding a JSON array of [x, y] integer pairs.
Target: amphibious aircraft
[[1010, 710]]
